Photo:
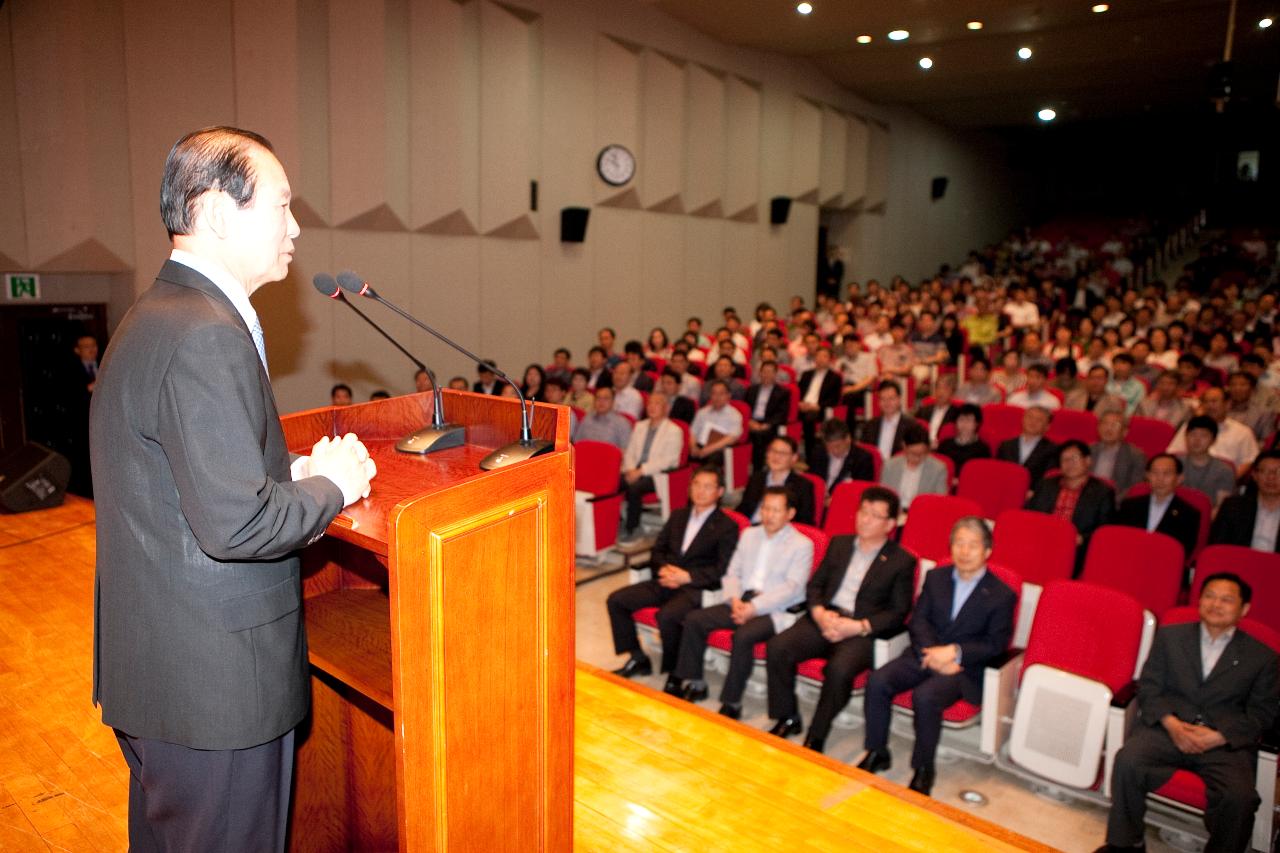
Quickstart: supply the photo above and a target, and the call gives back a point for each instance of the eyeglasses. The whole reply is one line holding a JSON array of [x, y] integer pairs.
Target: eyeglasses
[[863, 512]]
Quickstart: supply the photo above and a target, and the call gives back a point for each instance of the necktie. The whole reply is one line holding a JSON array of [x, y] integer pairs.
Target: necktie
[[259, 342], [648, 444]]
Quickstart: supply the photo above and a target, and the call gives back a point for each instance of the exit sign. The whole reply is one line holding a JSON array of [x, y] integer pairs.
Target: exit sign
[[22, 286]]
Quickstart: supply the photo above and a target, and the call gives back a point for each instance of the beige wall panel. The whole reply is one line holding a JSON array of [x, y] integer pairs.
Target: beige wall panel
[[806, 148], [567, 295], [569, 129], [617, 106], [616, 239], [445, 294], [13, 215], [777, 114], [309, 176], [802, 250], [878, 165], [663, 258], [299, 326], [743, 287], [368, 103], [855, 170], [444, 111], [831, 177], [703, 279], [662, 156], [507, 91], [509, 305], [70, 92], [742, 158], [705, 158], [266, 48]]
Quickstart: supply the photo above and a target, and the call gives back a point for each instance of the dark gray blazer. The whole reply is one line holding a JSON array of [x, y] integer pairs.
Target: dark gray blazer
[[198, 634]]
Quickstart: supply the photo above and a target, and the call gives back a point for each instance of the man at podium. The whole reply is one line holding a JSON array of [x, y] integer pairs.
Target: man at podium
[[200, 656]]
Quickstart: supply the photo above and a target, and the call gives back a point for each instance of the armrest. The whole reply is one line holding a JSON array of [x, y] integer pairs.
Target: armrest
[[1125, 695], [999, 688], [885, 649], [1001, 660]]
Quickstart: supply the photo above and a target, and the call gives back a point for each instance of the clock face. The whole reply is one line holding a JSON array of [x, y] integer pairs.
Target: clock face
[[616, 165]]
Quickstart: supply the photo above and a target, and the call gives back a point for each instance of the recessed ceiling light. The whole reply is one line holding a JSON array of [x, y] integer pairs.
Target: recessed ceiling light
[[1024, 53], [1264, 23], [804, 8], [926, 63], [898, 35], [1047, 114], [863, 39], [1099, 8], [974, 25]]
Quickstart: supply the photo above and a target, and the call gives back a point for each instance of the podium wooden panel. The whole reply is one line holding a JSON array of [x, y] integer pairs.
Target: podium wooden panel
[[439, 615]]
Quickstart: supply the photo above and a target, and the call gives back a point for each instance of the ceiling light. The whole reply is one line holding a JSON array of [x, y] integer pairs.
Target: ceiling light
[[898, 35], [1099, 8], [926, 63], [1024, 53], [863, 39], [804, 8], [1047, 114], [974, 25], [1264, 23]]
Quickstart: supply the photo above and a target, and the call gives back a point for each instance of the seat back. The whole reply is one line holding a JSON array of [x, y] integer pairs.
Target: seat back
[[841, 515], [1088, 630], [1147, 566], [996, 485], [950, 466], [745, 411], [819, 496], [927, 533], [1039, 546], [1069, 423], [684, 440], [738, 518], [1000, 421], [596, 467], [1150, 435], [820, 542], [1259, 569]]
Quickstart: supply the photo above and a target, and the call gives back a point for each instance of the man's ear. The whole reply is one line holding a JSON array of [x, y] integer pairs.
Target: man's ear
[[212, 212]]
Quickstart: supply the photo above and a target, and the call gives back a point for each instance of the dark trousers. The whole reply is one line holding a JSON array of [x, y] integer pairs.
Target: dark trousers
[[635, 495], [673, 605], [845, 661], [760, 439], [931, 694], [809, 427], [207, 801], [1148, 760], [699, 624]]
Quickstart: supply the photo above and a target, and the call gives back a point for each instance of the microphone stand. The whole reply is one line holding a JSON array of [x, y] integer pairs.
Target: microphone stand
[[527, 447], [440, 435]]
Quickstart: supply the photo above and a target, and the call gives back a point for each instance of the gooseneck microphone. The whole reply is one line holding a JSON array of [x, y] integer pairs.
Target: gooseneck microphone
[[438, 436], [527, 446]]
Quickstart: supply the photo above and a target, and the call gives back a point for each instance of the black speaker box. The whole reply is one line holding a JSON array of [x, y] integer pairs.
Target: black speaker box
[[573, 224], [33, 477], [939, 188], [779, 210]]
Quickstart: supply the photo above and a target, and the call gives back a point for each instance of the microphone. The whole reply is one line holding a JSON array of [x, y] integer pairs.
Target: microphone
[[438, 436], [528, 446]]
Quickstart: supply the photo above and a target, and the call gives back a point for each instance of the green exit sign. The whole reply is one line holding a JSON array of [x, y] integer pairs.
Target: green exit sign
[[22, 285]]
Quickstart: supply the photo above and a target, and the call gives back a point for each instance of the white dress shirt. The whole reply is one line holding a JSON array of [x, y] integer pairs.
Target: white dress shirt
[[859, 564]]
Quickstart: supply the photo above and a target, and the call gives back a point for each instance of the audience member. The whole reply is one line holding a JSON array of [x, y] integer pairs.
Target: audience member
[[770, 404], [633, 354], [965, 444], [1163, 510], [1092, 395], [556, 390], [1243, 406], [856, 366], [380, 394], [534, 380], [580, 395], [626, 399], [1203, 471], [690, 385], [942, 409], [602, 423], [1235, 441], [680, 406], [1115, 459], [1164, 402], [886, 430], [778, 470], [914, 471], [458, 383], [838, 459], [1122, 383], [977, 388], [722, 368], [1251, 519], [1075, 495], [1035, 393], [656, 445], [487, 381], [598, 373], [1032, 449], [819, 390], [715, 426], [1009, 375], [340, 395], [560, 366], [422, 381]]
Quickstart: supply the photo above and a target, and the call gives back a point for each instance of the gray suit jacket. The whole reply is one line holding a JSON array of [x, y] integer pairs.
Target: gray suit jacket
[[933, 479], [1130, 469], [198, 634]]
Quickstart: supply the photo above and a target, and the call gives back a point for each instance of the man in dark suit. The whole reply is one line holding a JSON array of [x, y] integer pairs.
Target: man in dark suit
[[1032, 449], [1252, 520], [200, 660], [838, 459], [887, 430], [487, 381], [690, 555], [770, 403], [819, 390], [81, 375], [1207, 693], [640, 366], [963, 619], [1161, 510], [861, 591], [779, 470], [681, 407], [1075, 495]]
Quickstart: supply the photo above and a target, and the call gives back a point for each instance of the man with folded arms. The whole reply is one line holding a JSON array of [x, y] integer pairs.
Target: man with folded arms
[[654, 446]]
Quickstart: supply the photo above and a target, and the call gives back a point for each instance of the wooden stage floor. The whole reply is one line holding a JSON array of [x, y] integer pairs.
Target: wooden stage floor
[[652, 773]]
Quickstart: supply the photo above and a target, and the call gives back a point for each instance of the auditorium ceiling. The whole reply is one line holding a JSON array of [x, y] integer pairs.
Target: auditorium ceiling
[[1138, 56]]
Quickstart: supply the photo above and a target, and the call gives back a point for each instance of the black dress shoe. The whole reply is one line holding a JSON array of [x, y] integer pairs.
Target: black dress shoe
[[922, 781], [786, 727], [876, 760], [694, 693], [673, 687], [1116, 848], [634, 667], [733, 712], [815, 743]]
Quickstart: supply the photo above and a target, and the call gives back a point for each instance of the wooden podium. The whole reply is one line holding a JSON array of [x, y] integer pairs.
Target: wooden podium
[[439, 614]]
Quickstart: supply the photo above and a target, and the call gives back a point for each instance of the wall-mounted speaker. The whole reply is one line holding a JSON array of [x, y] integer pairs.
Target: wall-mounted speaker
[[33, 477], [573, 224], [533, 196], [939, 188], [779, 209]]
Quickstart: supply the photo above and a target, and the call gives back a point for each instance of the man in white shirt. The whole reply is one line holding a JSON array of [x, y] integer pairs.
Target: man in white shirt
[[765, 577], [1021, 313], [1235, 441], [716, 425], [654, 447], [1035, 393], [626, 399], [690, 385], [977, 388]]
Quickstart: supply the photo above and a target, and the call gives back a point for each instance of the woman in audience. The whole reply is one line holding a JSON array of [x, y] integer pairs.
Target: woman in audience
[[534, 380], [952, 337], [580, 397], [965, 444], [1062, 346], [1161, 354], [658, 345]]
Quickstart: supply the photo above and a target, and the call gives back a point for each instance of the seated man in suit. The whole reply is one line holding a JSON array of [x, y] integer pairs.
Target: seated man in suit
[[655, 446], [887, 429], [1032, 449], [819, 390], [770, 403], [1036, 392], [681, 408], [633, 354], [716, 425], [1115, 459], [690, 555], [913, 471], [1206, 694], [838, 459], [1252, 520], [1201, 470], [722, 368], [861, 591], [963, 619], [1075, 495], [1162, 511], [942, 410], [765, 577], [779, 470], [1092, 394]]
